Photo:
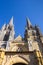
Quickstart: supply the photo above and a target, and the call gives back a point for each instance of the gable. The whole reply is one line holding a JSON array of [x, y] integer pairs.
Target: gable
[[19, 38]]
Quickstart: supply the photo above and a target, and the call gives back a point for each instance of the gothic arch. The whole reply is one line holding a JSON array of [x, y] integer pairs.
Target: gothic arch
[[16, 60], [19, 64]]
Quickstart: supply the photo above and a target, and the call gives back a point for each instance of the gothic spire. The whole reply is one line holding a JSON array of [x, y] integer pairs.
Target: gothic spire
[[29, 25], [11, 28], [11, 22]]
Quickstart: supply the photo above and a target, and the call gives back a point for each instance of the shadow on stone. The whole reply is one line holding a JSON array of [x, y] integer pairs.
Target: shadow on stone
[[19, 64]]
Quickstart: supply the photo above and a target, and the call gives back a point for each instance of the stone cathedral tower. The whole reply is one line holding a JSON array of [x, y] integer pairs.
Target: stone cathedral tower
[[21, 51]]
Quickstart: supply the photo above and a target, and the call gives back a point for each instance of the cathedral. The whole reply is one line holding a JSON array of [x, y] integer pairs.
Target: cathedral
[[27, 50]]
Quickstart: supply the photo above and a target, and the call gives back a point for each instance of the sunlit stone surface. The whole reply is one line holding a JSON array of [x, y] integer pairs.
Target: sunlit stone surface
[[19, 50]]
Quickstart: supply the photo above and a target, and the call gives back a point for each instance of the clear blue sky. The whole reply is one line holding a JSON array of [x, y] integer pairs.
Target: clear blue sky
[[21, 9]]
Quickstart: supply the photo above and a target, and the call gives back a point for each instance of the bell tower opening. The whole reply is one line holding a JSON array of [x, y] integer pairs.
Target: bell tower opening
[[19, 64]]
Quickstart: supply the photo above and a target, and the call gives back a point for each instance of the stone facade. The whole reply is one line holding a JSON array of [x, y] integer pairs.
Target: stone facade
[[21, 51]]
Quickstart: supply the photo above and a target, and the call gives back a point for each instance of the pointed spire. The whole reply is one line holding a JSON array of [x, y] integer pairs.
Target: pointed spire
[[3, 27], [11, 28], [28, 23], [11, 22]]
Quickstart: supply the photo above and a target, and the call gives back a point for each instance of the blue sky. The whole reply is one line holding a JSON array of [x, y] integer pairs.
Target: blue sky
[[20, 9]]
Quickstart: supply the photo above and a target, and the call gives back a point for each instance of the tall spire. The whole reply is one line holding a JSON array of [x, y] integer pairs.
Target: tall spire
[[28, 23], [11, 22], [11, 27], [9, 33]]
